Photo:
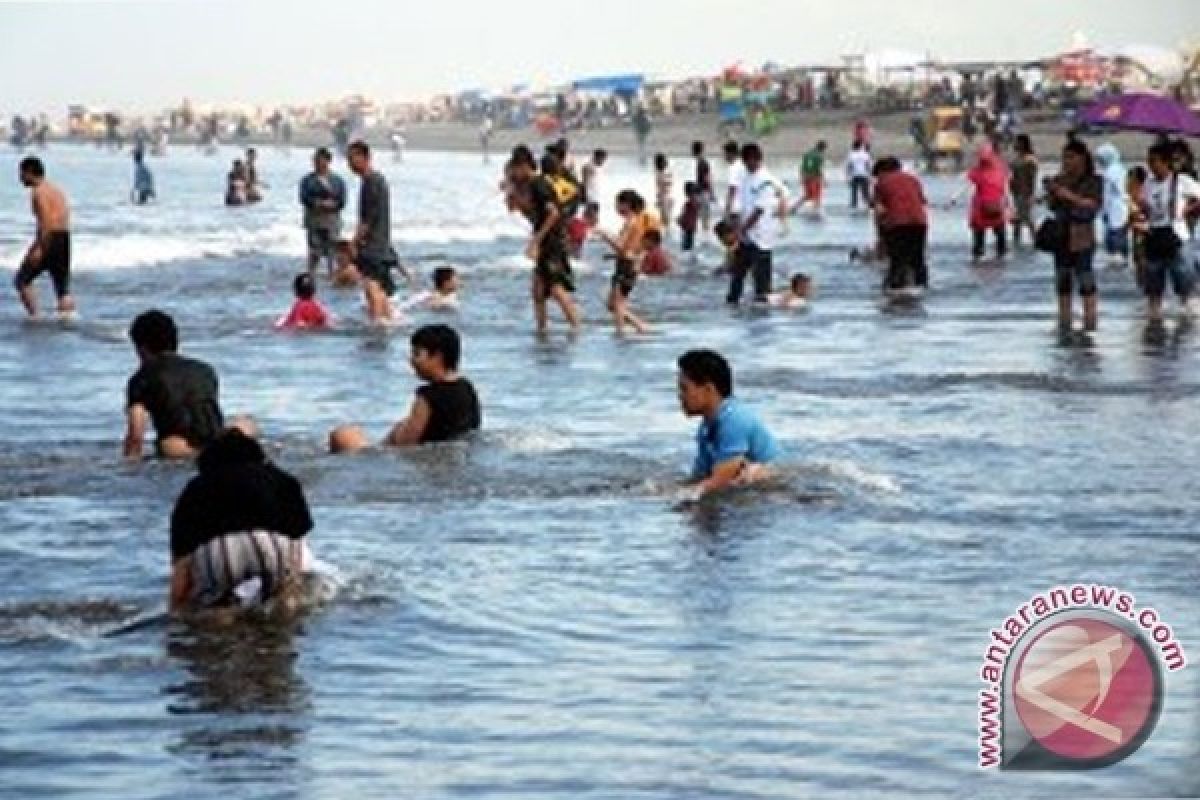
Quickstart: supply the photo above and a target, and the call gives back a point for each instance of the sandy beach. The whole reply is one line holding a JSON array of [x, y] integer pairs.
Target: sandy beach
[[673, 136], [797, 133]]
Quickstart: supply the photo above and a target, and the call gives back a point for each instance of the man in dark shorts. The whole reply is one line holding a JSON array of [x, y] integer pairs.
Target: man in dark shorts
[[548, 248], [445, 407], [175, 393], [51, 248], [373, 237]]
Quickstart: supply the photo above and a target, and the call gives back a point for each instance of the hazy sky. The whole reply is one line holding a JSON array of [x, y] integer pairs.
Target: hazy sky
[[148, 55]]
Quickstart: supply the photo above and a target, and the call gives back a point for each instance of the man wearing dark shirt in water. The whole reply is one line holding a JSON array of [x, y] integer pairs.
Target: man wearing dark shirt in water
[[178, 395], [445, 407], [373, 236], [548, 247]]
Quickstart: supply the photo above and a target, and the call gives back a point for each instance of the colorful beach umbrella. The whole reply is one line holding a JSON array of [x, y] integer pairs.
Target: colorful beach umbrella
[[1150, 113]]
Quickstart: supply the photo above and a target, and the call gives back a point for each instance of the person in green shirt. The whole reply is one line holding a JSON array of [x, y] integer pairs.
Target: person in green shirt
[[812, 177]]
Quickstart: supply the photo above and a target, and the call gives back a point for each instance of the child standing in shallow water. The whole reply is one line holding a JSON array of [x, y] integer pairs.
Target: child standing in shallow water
[[664, 183], [689, 218], [627, 247]]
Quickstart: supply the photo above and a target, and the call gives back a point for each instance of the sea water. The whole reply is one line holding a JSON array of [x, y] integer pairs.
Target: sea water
[[530, 614]]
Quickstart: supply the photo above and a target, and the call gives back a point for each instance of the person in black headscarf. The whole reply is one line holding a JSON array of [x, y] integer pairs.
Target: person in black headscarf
[[238, 529]]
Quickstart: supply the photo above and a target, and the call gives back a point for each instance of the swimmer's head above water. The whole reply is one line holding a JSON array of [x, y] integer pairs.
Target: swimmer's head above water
[[705, 380], [153, 333]]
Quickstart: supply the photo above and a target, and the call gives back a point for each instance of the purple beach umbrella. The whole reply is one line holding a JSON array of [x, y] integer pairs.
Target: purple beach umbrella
[[1150, 113]]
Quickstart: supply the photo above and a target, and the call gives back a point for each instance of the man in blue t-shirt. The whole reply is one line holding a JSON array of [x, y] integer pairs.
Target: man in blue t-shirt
[[733, 447]]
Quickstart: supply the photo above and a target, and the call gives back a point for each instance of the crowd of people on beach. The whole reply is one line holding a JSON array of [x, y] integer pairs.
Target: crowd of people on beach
[[238, 529]]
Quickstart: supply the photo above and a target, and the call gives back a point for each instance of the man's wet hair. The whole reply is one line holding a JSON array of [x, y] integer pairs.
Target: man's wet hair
[[751, 152], [707, 368], [304, 287], [800, 277], [323, 153], [442, 276], [731, 148], [723, 229], [599, 154], [154, 331], [697, 148], [360, 147], [439, 340], [821, 145], [32, 165]]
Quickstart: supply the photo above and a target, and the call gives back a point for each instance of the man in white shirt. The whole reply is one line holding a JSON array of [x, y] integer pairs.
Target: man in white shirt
[[593, 177], [763, 199], [858, 173], [735, 176], [1166, 201]]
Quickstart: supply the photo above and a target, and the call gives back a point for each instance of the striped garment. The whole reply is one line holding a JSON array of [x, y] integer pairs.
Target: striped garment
[[227, 562]]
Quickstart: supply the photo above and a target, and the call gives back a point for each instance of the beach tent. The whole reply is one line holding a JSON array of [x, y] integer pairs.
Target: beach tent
[[1148, 66], [1149, 113], [628, 85]]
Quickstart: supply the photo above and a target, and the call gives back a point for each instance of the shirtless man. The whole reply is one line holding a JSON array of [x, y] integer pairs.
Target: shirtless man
[[51, 248]]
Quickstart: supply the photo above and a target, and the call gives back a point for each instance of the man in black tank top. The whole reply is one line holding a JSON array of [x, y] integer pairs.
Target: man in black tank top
[[174, 393], [445, 407]]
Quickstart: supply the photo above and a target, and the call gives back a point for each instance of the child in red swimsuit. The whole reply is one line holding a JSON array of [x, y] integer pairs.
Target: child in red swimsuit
[[306, 313]]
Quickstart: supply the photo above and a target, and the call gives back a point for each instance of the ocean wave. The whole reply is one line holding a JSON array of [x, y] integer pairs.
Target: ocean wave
[[99, 251], [852, 473]]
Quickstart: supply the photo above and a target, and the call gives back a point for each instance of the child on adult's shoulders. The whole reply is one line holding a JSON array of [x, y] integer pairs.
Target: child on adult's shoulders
[[580, 227], [443, 296], [306, 313], [445, 406]]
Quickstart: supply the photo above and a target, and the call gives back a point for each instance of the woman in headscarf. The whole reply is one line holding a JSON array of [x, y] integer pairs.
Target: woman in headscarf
[[989, 204], [238, 528], [1075, 197], [1116, 206]]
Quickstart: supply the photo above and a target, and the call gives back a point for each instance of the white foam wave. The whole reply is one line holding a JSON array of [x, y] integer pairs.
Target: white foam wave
[[535, 441], [849, 471], [122, 250]]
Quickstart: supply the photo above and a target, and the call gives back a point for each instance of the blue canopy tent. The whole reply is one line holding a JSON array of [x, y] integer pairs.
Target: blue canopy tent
[[613, 84]]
